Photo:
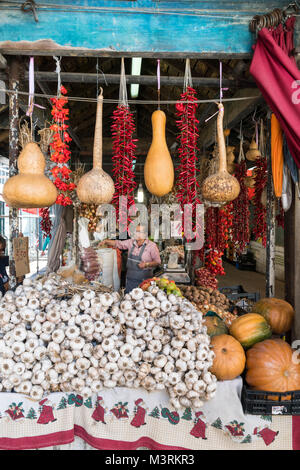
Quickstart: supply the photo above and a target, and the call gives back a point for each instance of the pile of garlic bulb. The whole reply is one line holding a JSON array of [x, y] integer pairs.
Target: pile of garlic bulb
[[93, 341]]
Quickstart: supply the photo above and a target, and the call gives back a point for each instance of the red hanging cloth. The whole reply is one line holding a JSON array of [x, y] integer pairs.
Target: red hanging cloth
[[276, 75]]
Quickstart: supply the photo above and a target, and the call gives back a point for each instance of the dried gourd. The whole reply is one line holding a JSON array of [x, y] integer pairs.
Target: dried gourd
[[253, 152], [96, 186], [230, 157], [30, 188], [220, 187], [159, 169]]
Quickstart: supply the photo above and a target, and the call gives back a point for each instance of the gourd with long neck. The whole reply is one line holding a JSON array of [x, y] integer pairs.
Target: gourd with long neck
[[30, 188], [220, 187], [96, 186], [159, 169]]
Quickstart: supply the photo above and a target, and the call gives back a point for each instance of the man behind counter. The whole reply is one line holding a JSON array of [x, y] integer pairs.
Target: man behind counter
[[143, 257]]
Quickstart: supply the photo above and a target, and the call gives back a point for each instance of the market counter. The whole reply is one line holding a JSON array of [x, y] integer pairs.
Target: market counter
[[129, 419]]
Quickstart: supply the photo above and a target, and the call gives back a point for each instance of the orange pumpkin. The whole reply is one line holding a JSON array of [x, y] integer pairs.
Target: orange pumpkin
[[229, 361], [278, 313], [270, 367], [249, 329]]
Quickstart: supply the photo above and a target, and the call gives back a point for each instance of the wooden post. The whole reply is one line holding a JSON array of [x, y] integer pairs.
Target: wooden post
[[271, 220], [292, 259], [14, 71]]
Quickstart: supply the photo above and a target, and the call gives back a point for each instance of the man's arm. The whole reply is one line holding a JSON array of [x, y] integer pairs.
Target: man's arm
[[121, 244], [156, 261]]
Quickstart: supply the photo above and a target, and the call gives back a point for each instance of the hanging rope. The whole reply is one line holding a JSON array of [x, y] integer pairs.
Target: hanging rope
[[58, 70], [158, 83]]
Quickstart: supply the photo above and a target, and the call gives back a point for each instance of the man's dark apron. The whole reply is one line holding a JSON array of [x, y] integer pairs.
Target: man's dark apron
[[136, 275]]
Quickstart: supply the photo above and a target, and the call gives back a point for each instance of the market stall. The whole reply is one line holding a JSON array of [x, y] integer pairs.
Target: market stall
[[126, 339]]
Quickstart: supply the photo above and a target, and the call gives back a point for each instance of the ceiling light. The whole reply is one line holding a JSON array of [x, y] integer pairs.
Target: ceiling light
[[136, 65]]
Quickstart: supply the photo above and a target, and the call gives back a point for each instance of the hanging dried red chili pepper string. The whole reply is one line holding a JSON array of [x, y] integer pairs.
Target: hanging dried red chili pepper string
[[187, 184], [124, 146], [218, 226], [240, 233], [46, 223], [280, 214], [60, 149], [259, 219]]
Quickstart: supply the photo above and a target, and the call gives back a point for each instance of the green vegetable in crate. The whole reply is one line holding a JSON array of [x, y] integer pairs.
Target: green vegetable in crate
[[250, 329], [214, 324]]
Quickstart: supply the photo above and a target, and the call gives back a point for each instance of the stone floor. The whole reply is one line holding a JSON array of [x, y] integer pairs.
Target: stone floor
[[251, 281]]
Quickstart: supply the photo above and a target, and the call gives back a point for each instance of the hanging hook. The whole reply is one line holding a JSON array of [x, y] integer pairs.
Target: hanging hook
[[99, 70], [28, 6]]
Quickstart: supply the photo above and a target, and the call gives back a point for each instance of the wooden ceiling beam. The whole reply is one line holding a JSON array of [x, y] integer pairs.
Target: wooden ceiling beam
[[151, 80]]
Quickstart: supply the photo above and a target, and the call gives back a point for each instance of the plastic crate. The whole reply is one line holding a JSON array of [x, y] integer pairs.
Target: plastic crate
[[231, 290], [256, 402], [254, 296]]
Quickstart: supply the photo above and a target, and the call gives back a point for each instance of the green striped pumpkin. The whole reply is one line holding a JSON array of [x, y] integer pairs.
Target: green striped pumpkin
[[250, 329]]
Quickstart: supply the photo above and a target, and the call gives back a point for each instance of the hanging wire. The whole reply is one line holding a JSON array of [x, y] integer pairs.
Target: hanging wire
[[158, 83], [103, 74], [58, 70], [123, 100], [241, 156], [188, 82], [108, 100]]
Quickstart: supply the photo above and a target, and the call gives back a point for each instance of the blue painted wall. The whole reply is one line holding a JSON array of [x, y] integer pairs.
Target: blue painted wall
[[137, 26]]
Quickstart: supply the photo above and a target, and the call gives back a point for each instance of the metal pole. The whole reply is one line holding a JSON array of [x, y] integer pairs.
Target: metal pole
[[75, 242], [14, 71], [271, 218]]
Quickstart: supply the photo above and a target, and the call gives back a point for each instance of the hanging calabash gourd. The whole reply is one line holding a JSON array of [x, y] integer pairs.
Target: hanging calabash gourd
[[263, 198], [159, 169], [220, 187], [253, 152], [249, 181], [96, 186], [230, 157], [30, 188]]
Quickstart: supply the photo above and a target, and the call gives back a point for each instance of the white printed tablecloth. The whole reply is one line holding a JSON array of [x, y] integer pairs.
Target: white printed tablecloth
[[124, 418]]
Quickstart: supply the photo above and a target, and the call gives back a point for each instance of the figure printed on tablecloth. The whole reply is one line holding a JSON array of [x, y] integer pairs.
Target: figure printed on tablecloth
[[99, 411], [62, 404], [235, 428], [155, 413], [120, 410], [200, 426], [172, 416], [76, 399], [139, 414], [31, 414], [15, 411], [267, 435], [46, 412]]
